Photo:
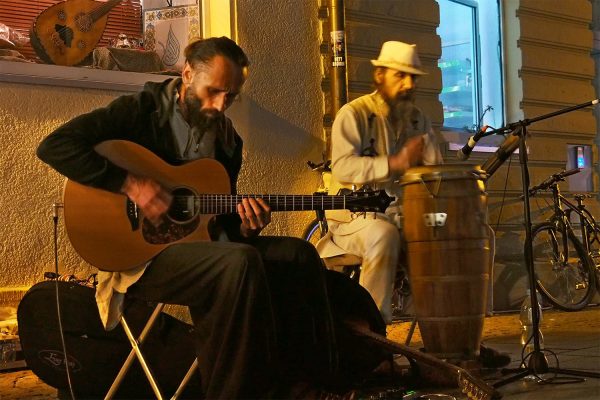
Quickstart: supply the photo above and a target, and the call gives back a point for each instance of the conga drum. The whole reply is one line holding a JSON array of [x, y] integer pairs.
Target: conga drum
[[445, 227]]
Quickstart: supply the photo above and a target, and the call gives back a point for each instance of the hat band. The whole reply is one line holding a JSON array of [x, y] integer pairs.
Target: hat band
[[399, 63]]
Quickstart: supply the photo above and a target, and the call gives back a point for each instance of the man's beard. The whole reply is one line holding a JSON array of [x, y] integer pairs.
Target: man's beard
[[195, 116], [403, 109]]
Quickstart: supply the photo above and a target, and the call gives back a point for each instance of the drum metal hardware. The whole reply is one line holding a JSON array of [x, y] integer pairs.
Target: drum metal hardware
[[438, 182], [435, 219]]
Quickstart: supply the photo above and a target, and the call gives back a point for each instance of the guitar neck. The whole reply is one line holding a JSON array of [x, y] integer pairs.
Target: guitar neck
[[224, 204], [105, 8]]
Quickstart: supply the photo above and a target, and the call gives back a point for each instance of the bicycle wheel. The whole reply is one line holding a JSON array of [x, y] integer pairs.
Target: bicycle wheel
[[312, 233], [565, 278], [594, 245]]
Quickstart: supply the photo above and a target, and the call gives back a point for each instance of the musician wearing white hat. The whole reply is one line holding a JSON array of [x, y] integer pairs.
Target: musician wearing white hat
[[374, 139]]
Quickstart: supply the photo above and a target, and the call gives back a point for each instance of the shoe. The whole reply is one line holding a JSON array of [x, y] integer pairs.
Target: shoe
[[490, 358]]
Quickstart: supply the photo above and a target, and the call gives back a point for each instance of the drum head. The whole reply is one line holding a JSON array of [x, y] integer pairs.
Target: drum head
[[428, 173]]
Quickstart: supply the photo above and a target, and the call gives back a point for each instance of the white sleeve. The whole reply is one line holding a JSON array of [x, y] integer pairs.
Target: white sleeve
[[347, 164]]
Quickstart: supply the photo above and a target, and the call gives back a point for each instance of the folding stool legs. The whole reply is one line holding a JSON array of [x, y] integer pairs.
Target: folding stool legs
[[135, 351], [411, 330], [185, 380]]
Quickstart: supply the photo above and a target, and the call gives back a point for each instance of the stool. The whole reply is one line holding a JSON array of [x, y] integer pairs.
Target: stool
[[350, 265], [136, 352]]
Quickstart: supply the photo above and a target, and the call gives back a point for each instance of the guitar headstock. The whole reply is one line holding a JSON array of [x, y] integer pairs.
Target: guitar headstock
[[367, 200], [475, 388]]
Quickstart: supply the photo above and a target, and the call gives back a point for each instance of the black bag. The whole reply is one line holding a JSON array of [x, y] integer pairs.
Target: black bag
[[357, 357], [96, 355]]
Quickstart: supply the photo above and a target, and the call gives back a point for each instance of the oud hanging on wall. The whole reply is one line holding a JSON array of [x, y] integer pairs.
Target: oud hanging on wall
[[67, 32]]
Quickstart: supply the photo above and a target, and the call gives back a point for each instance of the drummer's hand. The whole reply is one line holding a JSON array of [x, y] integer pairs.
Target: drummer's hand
[[410, 155], [148, 195], [255, 215]]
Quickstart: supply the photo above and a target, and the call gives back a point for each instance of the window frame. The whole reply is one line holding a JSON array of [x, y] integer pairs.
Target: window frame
[[457, 137]]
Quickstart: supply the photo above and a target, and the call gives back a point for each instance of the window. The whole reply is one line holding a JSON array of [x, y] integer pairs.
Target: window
[[471, 64], [218, 19], [124, 17]]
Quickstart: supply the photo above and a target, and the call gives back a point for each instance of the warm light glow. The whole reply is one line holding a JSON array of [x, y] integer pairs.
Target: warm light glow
[[219, 18]]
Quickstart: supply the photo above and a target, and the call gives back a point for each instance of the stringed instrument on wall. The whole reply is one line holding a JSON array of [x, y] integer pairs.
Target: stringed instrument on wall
[[67, 32]]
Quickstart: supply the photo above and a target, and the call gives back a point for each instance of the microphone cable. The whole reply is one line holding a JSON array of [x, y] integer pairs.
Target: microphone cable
[[55, 208], [504, 191]]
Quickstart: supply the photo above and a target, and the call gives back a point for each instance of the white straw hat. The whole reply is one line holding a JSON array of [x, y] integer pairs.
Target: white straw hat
[[399, 56]]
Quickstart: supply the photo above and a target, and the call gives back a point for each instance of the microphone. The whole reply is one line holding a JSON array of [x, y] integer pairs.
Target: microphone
[[464, 153], [504, 151]]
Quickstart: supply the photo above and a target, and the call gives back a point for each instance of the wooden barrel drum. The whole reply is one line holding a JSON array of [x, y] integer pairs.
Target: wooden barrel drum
[[445, 226]]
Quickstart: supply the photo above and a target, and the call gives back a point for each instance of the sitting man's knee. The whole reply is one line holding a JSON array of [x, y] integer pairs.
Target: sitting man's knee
[[384, 232], [246, 257]]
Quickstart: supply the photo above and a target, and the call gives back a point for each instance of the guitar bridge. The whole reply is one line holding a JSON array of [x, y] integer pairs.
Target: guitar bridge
[[133, 215]]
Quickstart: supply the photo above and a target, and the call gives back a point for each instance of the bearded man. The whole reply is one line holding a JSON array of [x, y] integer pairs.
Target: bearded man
[[374, 140], [259, 306]]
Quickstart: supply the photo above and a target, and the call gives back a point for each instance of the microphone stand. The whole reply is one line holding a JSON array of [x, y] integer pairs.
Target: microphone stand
[[537, 364]]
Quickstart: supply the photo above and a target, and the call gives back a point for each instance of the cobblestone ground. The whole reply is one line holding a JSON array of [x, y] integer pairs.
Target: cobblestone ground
[[24, 384]]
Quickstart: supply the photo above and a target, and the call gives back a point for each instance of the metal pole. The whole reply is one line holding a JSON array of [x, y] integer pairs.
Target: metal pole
[[339, 95]]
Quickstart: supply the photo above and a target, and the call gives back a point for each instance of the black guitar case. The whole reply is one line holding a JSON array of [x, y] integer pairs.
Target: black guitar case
[[95, 356]]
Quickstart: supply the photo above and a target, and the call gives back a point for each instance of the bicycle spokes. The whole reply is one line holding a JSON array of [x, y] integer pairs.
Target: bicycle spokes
[[562, 268]]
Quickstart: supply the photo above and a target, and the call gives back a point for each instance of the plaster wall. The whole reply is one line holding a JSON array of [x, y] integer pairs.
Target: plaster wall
[[279, 117]]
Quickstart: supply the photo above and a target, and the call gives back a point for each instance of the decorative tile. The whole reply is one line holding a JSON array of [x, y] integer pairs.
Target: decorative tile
[[167, 31]]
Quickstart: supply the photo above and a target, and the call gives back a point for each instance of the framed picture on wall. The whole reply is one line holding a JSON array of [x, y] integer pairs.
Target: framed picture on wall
[[168, 30]]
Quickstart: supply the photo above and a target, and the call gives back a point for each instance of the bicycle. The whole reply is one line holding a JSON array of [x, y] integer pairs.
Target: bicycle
[[564, 270], [318, 227], [590, 233]]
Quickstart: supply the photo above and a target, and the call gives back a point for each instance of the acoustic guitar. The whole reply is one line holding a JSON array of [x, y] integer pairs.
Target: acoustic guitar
[[109, 231], [67, 32]]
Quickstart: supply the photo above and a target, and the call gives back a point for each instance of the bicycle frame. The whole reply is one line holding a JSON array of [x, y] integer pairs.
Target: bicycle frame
[[562, 222], [587, 223]]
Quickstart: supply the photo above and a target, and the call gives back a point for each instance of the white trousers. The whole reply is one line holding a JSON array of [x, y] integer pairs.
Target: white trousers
[[377, 242]]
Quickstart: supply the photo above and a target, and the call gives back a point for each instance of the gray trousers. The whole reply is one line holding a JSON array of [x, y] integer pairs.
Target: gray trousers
[[260, 312]]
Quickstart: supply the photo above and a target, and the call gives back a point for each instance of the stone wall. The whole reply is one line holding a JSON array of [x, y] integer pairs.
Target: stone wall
[[547, 68]]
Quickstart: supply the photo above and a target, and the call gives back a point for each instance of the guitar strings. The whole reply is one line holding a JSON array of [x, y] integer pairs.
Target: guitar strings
[[229, 202]]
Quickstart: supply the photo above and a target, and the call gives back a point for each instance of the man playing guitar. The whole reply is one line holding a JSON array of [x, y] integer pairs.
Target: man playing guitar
[[259, 307]]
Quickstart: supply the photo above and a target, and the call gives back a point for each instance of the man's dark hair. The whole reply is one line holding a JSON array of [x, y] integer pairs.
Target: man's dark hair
[[204, 50]]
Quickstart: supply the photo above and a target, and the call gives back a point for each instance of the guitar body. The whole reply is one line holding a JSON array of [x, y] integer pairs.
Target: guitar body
[[67, 32], [97, 221]]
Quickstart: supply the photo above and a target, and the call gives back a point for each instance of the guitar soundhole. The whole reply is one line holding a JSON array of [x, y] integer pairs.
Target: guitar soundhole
[[184, 206], [181, 219], [65, 33]]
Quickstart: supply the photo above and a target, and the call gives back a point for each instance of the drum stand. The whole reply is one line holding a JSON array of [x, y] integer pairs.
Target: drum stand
[[537, 363]]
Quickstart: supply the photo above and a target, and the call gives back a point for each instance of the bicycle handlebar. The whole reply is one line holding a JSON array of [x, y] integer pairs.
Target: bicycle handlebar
[[320, 167], [552, 179]]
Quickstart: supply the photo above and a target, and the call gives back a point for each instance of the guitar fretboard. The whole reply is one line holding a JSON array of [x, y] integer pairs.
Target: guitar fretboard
[[103, 9], [223, 204]]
